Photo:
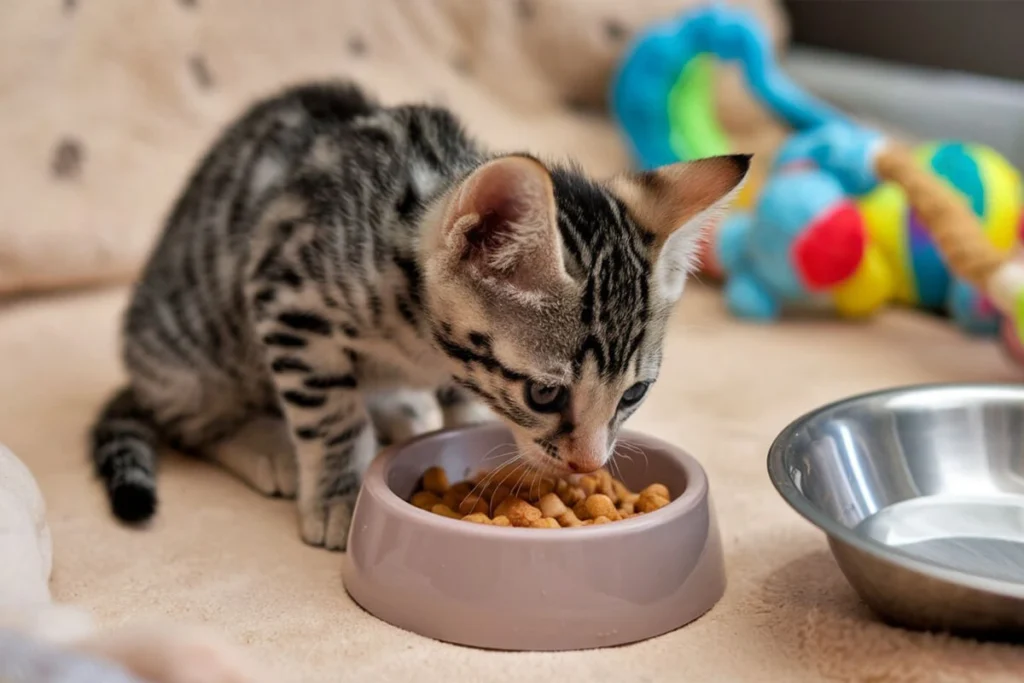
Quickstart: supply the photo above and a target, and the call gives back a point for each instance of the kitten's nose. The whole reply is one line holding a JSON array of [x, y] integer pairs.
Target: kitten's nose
[[586, 452]]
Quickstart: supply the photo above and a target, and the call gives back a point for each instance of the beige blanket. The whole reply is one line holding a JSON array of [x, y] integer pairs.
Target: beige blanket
[[104, 106]]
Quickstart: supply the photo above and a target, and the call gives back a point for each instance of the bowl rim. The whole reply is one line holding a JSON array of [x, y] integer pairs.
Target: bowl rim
[[696, 492], [785, 486]]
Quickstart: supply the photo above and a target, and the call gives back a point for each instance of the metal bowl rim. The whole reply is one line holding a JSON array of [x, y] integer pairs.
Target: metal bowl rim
[[796, 500]]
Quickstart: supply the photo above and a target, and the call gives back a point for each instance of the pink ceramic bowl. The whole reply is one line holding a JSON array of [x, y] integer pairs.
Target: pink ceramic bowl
[[532, 589]]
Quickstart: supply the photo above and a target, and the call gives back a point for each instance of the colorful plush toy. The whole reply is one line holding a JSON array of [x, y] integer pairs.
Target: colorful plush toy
[[825, 228], [920, 276], [805, 241], [815, 235]]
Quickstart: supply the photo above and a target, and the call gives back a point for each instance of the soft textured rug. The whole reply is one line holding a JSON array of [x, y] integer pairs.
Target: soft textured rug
[[221, 555]]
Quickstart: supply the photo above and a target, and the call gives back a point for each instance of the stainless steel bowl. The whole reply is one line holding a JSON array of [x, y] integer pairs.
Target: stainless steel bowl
[[920, 491]]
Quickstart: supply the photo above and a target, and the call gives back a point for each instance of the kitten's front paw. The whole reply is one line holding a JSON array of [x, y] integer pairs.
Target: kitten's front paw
[[326, 524]]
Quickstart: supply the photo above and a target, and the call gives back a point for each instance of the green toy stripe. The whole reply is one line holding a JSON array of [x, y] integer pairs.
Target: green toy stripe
[[1018, 317], [695, 132]]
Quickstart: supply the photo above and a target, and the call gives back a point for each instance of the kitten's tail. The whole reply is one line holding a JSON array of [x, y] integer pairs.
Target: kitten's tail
[[124, 442]]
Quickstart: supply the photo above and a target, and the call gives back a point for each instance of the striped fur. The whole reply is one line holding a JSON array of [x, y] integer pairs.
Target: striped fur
[[321, 276]]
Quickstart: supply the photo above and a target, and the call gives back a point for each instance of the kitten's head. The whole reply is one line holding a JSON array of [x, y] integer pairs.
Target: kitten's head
[[550, 292]]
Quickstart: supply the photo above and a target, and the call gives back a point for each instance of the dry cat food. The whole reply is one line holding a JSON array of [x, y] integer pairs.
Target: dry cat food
[[504, 497]]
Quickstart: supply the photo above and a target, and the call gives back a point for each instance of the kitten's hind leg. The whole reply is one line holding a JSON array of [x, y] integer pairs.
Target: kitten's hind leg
[[461, 408], [261, 454]]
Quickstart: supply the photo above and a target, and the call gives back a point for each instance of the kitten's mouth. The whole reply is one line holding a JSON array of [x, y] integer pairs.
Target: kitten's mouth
[[540, 461]]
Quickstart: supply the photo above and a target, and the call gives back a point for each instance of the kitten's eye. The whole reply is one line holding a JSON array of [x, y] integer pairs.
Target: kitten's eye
[[633, 395], [546, 398]]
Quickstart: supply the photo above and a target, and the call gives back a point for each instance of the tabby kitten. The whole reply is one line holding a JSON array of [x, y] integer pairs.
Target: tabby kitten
[[332, 259]]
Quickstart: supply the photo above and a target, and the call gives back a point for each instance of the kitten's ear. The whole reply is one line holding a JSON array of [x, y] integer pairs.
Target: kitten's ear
[[501, 224], [676, 203], [680, 196]]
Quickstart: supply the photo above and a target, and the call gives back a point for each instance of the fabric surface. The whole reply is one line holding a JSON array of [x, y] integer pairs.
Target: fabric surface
[[222, 556], [105, 106]]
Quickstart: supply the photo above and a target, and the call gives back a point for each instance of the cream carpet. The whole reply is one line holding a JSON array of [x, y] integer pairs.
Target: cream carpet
[[222, 555]]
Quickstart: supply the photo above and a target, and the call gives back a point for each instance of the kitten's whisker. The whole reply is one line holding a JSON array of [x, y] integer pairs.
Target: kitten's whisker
[[538, 476], [623, 452], [483, 483], [614, 467], [647, 462], [514, 470], [627, 452], [519, 484], [491, 453]]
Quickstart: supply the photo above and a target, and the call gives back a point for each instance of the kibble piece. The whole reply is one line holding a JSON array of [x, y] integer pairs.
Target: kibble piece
[[435, 480], [657, 490], [650, 502], [445, 511], [463, 487], [521, 513], [620, 490], [604, 483], [500, 494], [572, 495], [551, 505], [601, 519], [600, 505], [580, 510], [501, 510], [569, 518], [545, 523], [477, 518], [506, 472], [473, 504], [587, 522], [605, 488], [589, 483], [453, 498], [543, 488], [626, 508], [425, 500], [501, 520]]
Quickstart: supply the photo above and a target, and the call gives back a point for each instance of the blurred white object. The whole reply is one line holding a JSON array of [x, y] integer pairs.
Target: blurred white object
[[25, 541], [158, 653], [27, 552]]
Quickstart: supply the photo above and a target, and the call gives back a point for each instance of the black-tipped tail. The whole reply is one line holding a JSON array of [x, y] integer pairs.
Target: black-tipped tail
[[124, 457]]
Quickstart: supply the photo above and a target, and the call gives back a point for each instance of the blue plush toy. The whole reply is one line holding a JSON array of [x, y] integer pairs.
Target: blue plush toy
[[805, 237]]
